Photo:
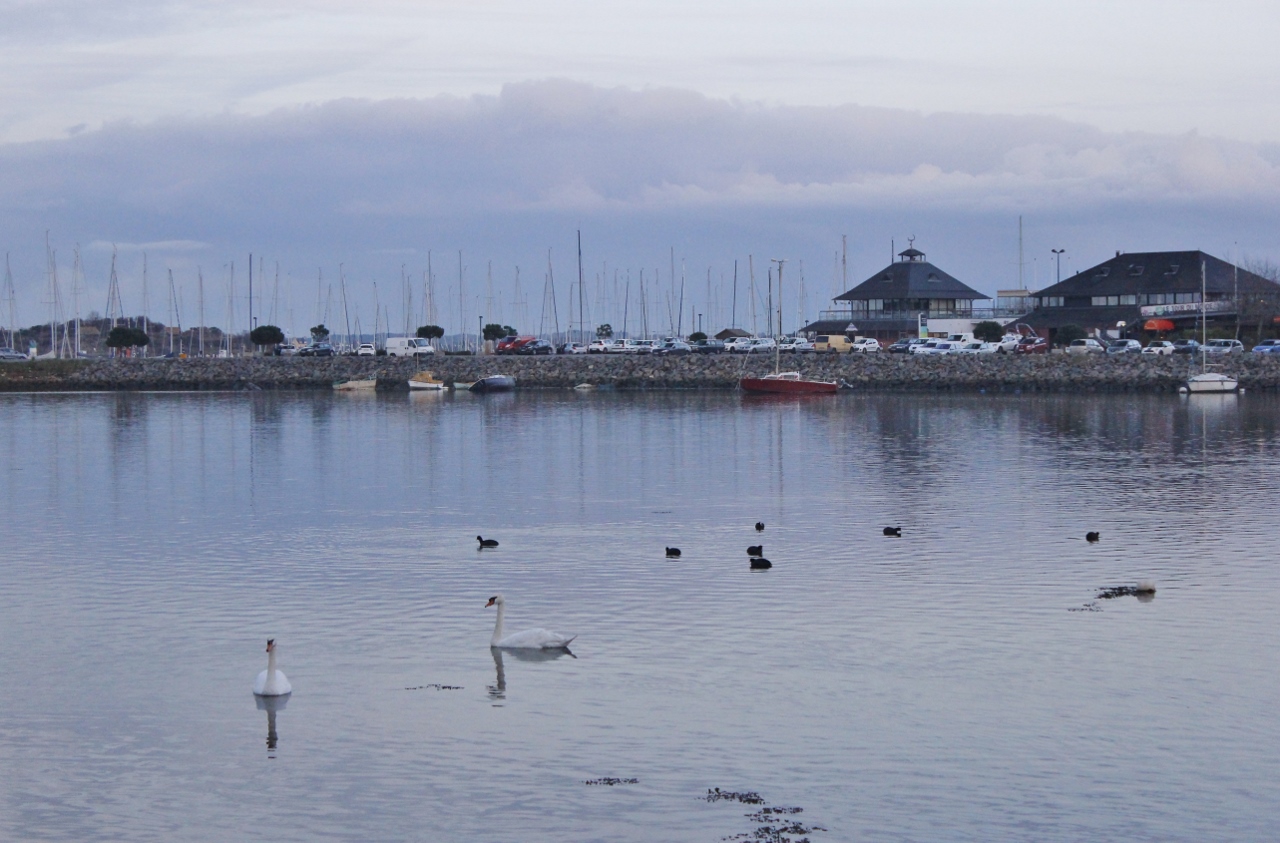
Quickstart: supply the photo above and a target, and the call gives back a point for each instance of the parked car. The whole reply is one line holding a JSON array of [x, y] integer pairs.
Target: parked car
[[1124, 347], [367, 349], [759, 345], [409, 347], [800, 345], [1008, 343], [673, 346], [1158, 348], [644, 346], [8, 355], [318, 349], [929, 346], [866, 345], [1220, 348], [1032, 345], [708, 347], [572, 348], [904, 345], [1086, 346], [978, 347], [1267, 347], [832, 343], [536, 347], [1185, 346], [737, 344], [599, 346], [512, 344]]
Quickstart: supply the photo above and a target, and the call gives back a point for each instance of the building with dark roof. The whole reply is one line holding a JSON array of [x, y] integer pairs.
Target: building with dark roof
[[890, 303], [1153, 291]]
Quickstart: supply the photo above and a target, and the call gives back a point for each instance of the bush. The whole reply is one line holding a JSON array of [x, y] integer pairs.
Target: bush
[[125, 337], [266, 335], [604, 332], [430, 332], [988, 331], [697, 336], [494, 331], [319, 333], [1068, 334]]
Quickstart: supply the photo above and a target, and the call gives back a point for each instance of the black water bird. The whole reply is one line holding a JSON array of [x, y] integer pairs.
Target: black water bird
[[756, 550], [759, 563], [673, 553], [759, 526], [1091, 537], [896, 532], [487, 542]]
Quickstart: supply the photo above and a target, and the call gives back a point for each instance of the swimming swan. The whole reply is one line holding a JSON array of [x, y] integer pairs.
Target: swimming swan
[[530, 639], [271, 682]]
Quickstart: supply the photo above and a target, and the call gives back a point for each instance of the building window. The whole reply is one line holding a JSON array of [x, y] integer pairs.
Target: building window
[[964, 305], [1128, 299], [1135, 269], [875, 304], [1172, 270], [1186, 298]]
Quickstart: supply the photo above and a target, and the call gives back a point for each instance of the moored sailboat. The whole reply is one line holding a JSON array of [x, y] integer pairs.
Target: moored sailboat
[[780, 382]]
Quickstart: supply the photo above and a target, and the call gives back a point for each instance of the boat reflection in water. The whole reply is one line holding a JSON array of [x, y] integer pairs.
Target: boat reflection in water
[[271, 705], [498, 690]]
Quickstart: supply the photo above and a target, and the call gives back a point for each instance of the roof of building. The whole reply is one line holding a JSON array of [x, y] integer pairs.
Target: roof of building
[[912, 277], [1146, 272]]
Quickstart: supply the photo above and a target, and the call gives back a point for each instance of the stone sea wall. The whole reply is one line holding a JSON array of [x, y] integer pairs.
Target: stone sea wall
[[1039, 373]]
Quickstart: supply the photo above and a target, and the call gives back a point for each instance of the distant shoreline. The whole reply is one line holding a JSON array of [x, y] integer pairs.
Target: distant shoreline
[[873, 372]]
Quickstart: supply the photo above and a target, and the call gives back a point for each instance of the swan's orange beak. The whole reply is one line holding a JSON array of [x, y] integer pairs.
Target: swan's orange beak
[[492, 600]]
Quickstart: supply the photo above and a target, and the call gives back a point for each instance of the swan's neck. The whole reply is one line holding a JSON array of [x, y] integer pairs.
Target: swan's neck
[[497, 625], [271, 665]]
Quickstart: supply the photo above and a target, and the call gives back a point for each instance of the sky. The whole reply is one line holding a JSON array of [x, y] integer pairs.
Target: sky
[[342, 142]]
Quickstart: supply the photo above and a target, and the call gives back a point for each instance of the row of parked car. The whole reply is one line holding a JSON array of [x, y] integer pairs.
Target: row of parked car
[[1165, 348]]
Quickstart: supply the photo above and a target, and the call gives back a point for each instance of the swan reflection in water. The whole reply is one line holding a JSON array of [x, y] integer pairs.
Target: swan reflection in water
[[498, 690], [271, 705]]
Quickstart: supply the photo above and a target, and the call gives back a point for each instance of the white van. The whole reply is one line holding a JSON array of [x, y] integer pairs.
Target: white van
[[408, 347]]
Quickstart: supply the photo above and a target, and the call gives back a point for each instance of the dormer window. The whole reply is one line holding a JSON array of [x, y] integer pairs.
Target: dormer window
[[1102, 272], [933, 278], [1135, 269], [1172, 270]]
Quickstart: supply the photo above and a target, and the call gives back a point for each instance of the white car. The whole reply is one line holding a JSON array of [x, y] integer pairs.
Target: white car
[[1008, 343], [799, 345], [927, 347], [367, 349], [977, 347], [574, 348], [1087, 346], [866, 345], [600, 347], [1159, 348], [760, 345], [1220, 347], [738, 343]]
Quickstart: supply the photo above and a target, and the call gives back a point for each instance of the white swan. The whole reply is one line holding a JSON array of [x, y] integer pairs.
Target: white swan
[[530, 639], [271, 682]]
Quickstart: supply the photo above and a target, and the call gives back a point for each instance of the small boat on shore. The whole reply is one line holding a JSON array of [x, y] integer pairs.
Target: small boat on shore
[[425, 380], [494, 383], [787, 383], [347, 386]]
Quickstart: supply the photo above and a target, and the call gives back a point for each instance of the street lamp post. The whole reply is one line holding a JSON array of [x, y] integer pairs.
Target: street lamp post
[[1057, 253]]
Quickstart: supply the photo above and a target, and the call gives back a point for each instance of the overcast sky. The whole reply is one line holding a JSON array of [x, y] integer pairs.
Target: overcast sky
[[365, 134]]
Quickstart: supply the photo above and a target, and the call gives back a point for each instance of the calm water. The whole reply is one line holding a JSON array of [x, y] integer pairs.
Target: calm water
[[959, 683]]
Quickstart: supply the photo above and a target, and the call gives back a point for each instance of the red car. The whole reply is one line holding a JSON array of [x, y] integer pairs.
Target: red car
[[513, 344], [1032, 345]]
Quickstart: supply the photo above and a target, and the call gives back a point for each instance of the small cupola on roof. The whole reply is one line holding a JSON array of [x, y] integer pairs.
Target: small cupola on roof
[[911, 253]]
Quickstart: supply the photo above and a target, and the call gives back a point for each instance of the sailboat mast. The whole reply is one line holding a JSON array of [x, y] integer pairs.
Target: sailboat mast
[[777, 349], [582, 325]]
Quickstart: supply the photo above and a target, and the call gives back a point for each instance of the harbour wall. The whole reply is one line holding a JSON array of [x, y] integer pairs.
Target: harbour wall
[[998, 372]]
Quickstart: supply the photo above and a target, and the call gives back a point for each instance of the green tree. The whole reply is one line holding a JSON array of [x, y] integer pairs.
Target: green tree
[[697, 336], [604, 331], [1069, 333], [494, 331], [319, 333], [266, 335], [430, 332], [122, 336], [988, 331]]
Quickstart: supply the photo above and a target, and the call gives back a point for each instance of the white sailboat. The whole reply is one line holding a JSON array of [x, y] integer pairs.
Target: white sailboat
[[1208, 381]]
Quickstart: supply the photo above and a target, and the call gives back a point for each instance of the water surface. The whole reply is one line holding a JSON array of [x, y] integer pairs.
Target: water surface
[[959, 683]]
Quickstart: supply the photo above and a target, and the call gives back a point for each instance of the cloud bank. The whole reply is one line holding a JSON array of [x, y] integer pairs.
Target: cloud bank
[[376, 182]]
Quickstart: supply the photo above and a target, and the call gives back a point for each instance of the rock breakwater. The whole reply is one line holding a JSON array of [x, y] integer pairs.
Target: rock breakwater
[[971, 373]]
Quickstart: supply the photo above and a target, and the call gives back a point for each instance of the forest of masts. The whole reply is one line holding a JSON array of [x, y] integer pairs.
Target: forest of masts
[[638, 303]]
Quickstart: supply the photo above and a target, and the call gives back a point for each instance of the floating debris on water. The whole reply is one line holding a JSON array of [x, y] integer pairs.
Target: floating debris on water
[[1142, 589], [610, 781], [1091, 606], [749, 797], [435, 687], [773, 821]]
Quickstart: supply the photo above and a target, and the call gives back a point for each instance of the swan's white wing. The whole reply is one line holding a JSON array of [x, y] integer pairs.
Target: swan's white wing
[[536, 639], [276, 687]]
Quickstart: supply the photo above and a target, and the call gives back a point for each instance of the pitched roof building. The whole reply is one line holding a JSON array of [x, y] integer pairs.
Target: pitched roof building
[[889, 304], [1158, 291]]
